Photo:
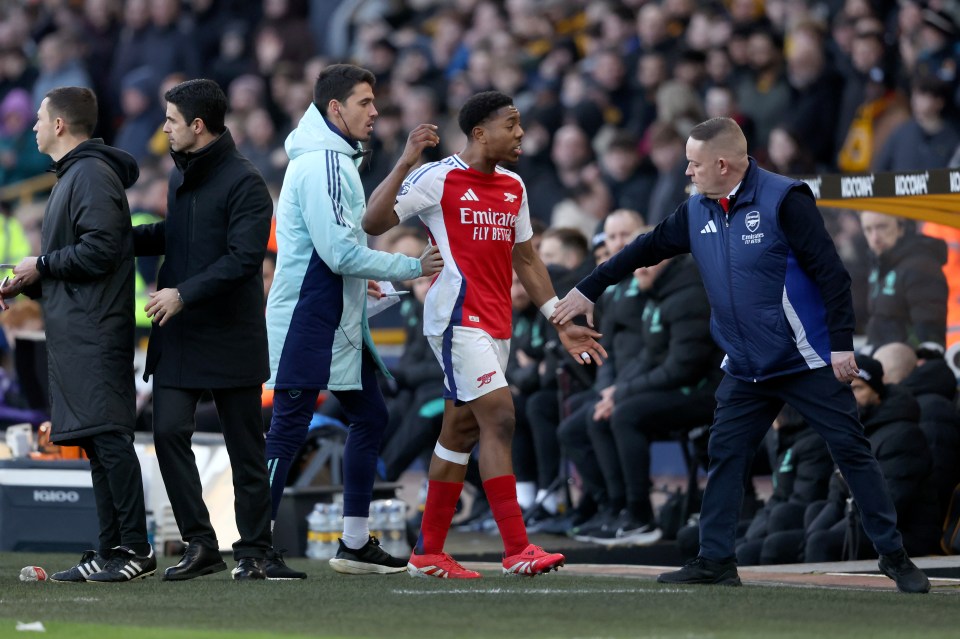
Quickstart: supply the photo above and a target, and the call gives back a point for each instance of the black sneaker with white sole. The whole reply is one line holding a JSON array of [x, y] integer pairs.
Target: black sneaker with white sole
[[627, 531], [371, 559], [277, 569], [642, 535], [91, 562], [125, 565]]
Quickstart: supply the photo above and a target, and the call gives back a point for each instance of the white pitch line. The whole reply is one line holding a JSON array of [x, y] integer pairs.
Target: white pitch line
[[541, 591]]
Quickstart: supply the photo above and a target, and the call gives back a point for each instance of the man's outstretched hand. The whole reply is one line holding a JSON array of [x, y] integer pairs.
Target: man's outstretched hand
[[571, 306], [581, 342]]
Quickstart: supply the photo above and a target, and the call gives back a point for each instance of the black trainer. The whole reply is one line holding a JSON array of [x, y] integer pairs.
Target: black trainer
[[277, 569], [704, 571], [125, 565], [91, 562], [249, 569], [603, 517], [371, 559], [904, 572], [626, 530]]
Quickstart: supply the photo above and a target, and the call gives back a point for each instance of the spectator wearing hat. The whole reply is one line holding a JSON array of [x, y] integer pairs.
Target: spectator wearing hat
[[890, 417], [598, 246], [939, 47], [907, 297]]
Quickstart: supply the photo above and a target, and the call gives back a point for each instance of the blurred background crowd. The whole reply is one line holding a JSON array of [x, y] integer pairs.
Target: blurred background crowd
[[608, 91]]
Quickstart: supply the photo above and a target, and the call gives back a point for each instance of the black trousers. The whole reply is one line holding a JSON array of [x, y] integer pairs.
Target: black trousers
[[543, 415], [117, 488], [622, 443], [575, 441], [242, 427]]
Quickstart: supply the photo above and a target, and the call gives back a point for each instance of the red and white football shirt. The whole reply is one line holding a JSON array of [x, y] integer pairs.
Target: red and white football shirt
[[475, 219]]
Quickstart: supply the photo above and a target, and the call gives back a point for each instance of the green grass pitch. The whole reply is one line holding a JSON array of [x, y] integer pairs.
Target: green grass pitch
[[556, 605]]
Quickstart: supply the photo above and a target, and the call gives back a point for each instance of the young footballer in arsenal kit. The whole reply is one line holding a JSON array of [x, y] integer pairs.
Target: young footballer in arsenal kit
[[476, 212]]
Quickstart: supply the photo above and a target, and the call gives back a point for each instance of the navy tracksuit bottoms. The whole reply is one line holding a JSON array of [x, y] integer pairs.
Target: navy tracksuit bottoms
[[746, 410]]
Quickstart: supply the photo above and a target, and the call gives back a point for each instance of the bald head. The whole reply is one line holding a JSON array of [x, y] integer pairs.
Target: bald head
[[717, 157], [620, 227], [898, 361]]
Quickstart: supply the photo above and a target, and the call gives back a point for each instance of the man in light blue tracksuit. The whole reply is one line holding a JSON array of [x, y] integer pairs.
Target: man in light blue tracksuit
[[781, 310], [316, 312]]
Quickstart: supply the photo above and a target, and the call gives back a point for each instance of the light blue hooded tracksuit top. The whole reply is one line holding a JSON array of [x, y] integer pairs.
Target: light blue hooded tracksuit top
[[316, 310]]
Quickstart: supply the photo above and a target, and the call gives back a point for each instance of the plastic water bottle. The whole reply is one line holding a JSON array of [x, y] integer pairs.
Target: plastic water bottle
[[151, 528], [332, 529], [376, 520], [395, 528], [316, 523], [33, 573]]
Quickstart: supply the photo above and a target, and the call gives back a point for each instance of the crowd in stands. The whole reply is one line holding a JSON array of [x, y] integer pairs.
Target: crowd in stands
[[608, 91]]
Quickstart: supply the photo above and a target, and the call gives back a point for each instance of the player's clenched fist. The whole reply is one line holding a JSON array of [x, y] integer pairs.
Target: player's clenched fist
[[422, 137]]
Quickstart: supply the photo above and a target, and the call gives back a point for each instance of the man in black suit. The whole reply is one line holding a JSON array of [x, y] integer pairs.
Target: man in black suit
[[209, 332]]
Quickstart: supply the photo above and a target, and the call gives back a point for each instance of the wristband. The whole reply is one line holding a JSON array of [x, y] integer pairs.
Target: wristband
[[549, 306], [43, 265], [180, 298]]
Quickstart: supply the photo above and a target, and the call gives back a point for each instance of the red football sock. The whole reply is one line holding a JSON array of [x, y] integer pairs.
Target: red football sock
[[438, 513], [502, 495]]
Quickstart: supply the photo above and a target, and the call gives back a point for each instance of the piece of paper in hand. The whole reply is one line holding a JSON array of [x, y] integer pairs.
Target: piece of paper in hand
[[33, 626], [378, 306]]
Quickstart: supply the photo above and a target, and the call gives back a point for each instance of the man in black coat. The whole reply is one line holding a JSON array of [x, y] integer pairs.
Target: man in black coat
[[84, 280], [209, 331], [908, 291], [668, 387]]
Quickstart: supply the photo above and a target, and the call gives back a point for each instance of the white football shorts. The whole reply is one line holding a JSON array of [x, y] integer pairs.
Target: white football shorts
[[473, 362]]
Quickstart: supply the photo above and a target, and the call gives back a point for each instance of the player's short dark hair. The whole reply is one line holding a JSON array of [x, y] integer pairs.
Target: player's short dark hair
[[337, 81], [479, 107], [713, 128], [200, 99], [77, 106], [570, 239]]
